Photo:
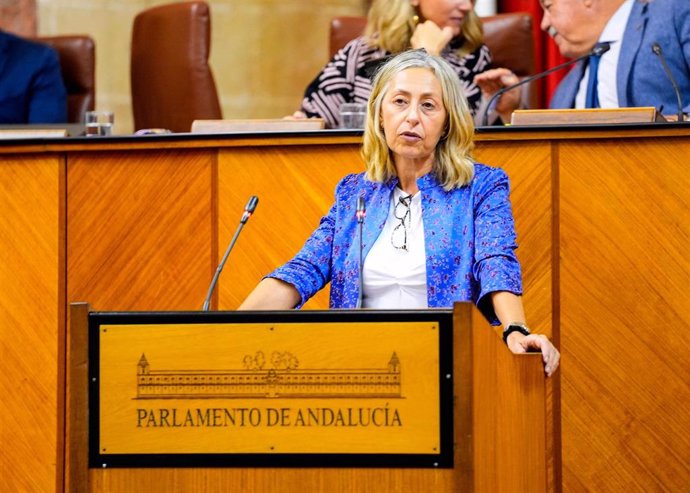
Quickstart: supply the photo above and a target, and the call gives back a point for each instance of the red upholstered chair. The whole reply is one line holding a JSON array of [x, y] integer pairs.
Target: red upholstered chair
[[172, 83], [508, 36], [78, 65]]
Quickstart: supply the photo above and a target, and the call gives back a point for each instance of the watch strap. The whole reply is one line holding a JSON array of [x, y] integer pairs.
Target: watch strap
[[515, 327]]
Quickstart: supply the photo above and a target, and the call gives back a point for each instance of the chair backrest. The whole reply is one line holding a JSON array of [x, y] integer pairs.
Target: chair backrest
[[171, 80], [510, 39], [344, 29], [508, 36], [78, 65]]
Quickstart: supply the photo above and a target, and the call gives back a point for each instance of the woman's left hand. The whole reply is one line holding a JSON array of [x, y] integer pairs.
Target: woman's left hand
[[520, 343], [432, 38]]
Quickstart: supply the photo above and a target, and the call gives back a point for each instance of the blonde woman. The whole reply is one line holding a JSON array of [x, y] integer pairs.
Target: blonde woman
[[447, 28], [439, 227]]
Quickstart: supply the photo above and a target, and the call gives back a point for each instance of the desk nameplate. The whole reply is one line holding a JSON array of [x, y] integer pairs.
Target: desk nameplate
[[238, 390]]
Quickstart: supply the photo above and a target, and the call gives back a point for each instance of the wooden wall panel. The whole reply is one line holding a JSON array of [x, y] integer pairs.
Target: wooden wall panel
[[625, 284], [295, 186], [529, 169], [142, 234], [31, 326], [140, 229]]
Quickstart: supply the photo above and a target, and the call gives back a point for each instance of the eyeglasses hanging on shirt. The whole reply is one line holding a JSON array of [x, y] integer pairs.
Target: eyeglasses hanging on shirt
[[402, 213]]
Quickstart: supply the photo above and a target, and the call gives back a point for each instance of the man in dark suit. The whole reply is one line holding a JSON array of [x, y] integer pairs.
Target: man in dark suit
[[630, 74], [31, 85]]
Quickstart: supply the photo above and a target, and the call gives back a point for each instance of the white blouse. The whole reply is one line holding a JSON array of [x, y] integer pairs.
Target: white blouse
[[394, 273]]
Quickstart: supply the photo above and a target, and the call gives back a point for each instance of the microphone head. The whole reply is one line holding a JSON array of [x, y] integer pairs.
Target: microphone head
[[251, 205], [360, 204], [601, 48], [249, 208], [656, 48], [361, 209]]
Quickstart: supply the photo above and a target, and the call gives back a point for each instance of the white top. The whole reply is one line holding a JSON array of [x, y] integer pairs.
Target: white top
[[395, 277], [606, 75]]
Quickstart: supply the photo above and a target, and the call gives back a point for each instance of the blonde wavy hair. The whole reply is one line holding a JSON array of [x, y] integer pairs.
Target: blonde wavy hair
[[453, 164], [390, 25]]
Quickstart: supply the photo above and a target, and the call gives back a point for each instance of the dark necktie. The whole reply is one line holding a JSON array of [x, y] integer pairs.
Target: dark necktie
[[592, 98]]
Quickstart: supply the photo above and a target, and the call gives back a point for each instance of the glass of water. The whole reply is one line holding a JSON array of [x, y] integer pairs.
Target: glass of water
[[99, 123], [352, 115]]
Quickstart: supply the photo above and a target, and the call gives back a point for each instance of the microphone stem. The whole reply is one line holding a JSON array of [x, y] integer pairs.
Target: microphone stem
[[207, 301], [667, 69], [485, 120], [360, 298]]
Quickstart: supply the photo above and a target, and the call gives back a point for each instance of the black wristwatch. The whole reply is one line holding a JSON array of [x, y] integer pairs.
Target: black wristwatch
[[515, 327]]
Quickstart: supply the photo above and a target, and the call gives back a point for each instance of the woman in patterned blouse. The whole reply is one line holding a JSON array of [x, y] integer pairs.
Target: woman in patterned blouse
[[448, 28], [439, 227]]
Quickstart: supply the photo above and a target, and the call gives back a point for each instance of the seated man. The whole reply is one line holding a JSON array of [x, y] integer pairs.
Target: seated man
[[31, 86], [630, 74]]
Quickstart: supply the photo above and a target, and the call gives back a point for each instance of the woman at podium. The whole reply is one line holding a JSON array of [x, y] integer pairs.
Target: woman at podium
[[433, 227]]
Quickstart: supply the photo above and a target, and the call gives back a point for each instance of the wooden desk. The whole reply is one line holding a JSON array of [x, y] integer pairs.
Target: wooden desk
[[140, 223]]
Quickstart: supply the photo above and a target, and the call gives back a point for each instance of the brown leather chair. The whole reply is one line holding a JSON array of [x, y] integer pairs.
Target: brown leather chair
[[344, 29], [510, 39], [78, 65], [508, 36], [172, 83]]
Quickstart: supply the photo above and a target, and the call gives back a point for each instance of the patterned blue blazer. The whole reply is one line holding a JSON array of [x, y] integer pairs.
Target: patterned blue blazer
[[640, 76], [469, 238], [31, 86]]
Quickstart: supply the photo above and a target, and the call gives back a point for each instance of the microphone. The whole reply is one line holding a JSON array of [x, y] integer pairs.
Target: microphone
[[361, 210], [360, 214], [598, 50], [248, 211], [656, 49]]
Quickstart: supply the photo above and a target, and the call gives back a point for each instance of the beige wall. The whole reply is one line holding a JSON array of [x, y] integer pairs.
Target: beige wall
[[263, 52]]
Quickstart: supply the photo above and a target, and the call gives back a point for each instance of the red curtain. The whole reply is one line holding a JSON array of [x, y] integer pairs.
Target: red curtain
[[546, 51]]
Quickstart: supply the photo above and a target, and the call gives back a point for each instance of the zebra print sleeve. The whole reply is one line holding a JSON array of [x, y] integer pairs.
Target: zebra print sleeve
[[467, 67], [343, 80], [347, 78]]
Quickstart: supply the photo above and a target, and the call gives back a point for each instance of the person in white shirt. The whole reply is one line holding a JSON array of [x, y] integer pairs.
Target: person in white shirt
[[630, 74]]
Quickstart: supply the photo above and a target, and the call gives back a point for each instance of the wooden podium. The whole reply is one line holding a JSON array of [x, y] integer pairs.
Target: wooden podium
[[480, 418]]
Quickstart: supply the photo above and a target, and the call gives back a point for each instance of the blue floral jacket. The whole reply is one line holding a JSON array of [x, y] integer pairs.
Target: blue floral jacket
[[468, 232]]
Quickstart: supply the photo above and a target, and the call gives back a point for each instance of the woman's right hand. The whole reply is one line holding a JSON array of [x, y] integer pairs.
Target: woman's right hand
[[432, 38]]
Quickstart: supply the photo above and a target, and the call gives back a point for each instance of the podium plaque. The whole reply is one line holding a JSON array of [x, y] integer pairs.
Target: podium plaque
[[333, 388]]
